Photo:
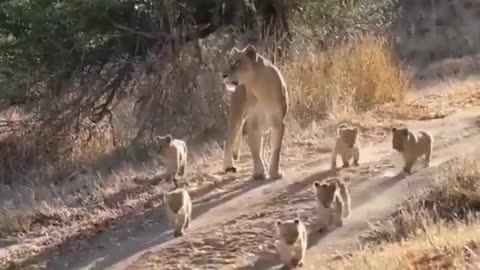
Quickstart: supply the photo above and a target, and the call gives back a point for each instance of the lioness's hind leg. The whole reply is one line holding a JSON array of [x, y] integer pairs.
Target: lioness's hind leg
[[181, 170], [255, 142], [276, 139]]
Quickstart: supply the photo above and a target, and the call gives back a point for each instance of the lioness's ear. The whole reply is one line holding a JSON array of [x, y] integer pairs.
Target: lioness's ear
[[278, 223], [394, 129], [296, 221], [316, 184], [405, 132], [251, 52]]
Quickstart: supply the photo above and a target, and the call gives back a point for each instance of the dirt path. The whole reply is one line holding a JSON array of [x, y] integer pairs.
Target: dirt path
[[238, 217]]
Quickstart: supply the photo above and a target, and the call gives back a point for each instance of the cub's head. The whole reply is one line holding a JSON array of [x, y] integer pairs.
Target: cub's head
[[173, 199], [399, 137], [289, 230], [348, 135], [162, 142], [241, 67], [325, 192]]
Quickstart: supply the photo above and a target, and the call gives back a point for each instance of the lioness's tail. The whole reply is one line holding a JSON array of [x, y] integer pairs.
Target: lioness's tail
[[345, 196]]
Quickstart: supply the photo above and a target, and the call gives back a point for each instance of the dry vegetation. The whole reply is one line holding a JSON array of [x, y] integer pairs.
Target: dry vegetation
[[99, 177], [318, 83], [434, 230]]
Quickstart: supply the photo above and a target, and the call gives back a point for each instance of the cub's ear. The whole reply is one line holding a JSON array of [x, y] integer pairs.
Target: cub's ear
[[251, 52], [278, 223], [296, 221], [405, 132], [316, 184], [168, 139], [394, 129]]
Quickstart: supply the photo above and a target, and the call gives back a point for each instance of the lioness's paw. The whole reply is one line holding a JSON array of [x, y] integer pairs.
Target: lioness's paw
[[230, 170], [259, 176], [276, 175]]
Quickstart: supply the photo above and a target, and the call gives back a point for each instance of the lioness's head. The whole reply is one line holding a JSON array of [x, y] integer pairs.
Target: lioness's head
[[325, 192], [348, 135], [399, 137], [162, 142], [241, 67], [289, 230]]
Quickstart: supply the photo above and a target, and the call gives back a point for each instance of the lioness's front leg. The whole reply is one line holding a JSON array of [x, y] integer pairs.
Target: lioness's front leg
[[237, 115], [255, 142], [276, 139]]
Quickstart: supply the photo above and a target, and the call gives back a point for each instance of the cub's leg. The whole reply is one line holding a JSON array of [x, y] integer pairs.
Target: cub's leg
[[334, 159], [255, 142], [345, 158], [180, 222], [356, 155], [338, 213], [428, 156], [284, 252], [276, 139], [409, 162]]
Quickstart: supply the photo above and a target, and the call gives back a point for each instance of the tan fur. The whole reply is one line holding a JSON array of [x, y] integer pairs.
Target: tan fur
[[333, 200], [173, 153], [346, 146], [179, 210], [412, 145], [235, 128], [292, 242], [266, 107]]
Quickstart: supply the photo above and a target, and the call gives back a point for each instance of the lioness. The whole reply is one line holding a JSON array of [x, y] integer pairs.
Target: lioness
[[292, 242], [179, 210], [346, 146], [266, 105], [333, 200], [412, 145]]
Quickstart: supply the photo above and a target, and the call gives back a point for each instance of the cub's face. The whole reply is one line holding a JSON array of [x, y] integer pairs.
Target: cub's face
[[348, 136], [162, 142], [289, 231], [325, 192], [399, 137], [241, 67]]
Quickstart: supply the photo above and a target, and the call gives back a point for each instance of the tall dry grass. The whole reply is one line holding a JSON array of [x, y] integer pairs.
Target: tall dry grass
[[351, 77]]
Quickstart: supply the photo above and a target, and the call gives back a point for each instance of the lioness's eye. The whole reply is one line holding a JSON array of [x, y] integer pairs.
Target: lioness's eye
[[235, 64]]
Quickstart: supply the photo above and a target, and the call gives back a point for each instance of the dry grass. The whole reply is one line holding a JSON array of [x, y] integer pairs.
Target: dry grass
[[351, 77], [436, 230]]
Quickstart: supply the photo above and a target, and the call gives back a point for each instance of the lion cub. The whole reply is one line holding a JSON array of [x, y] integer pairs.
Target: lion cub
[[412, 145], [333, 200], [173, 153], [292, 242], [179, 209], [346, 146]]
